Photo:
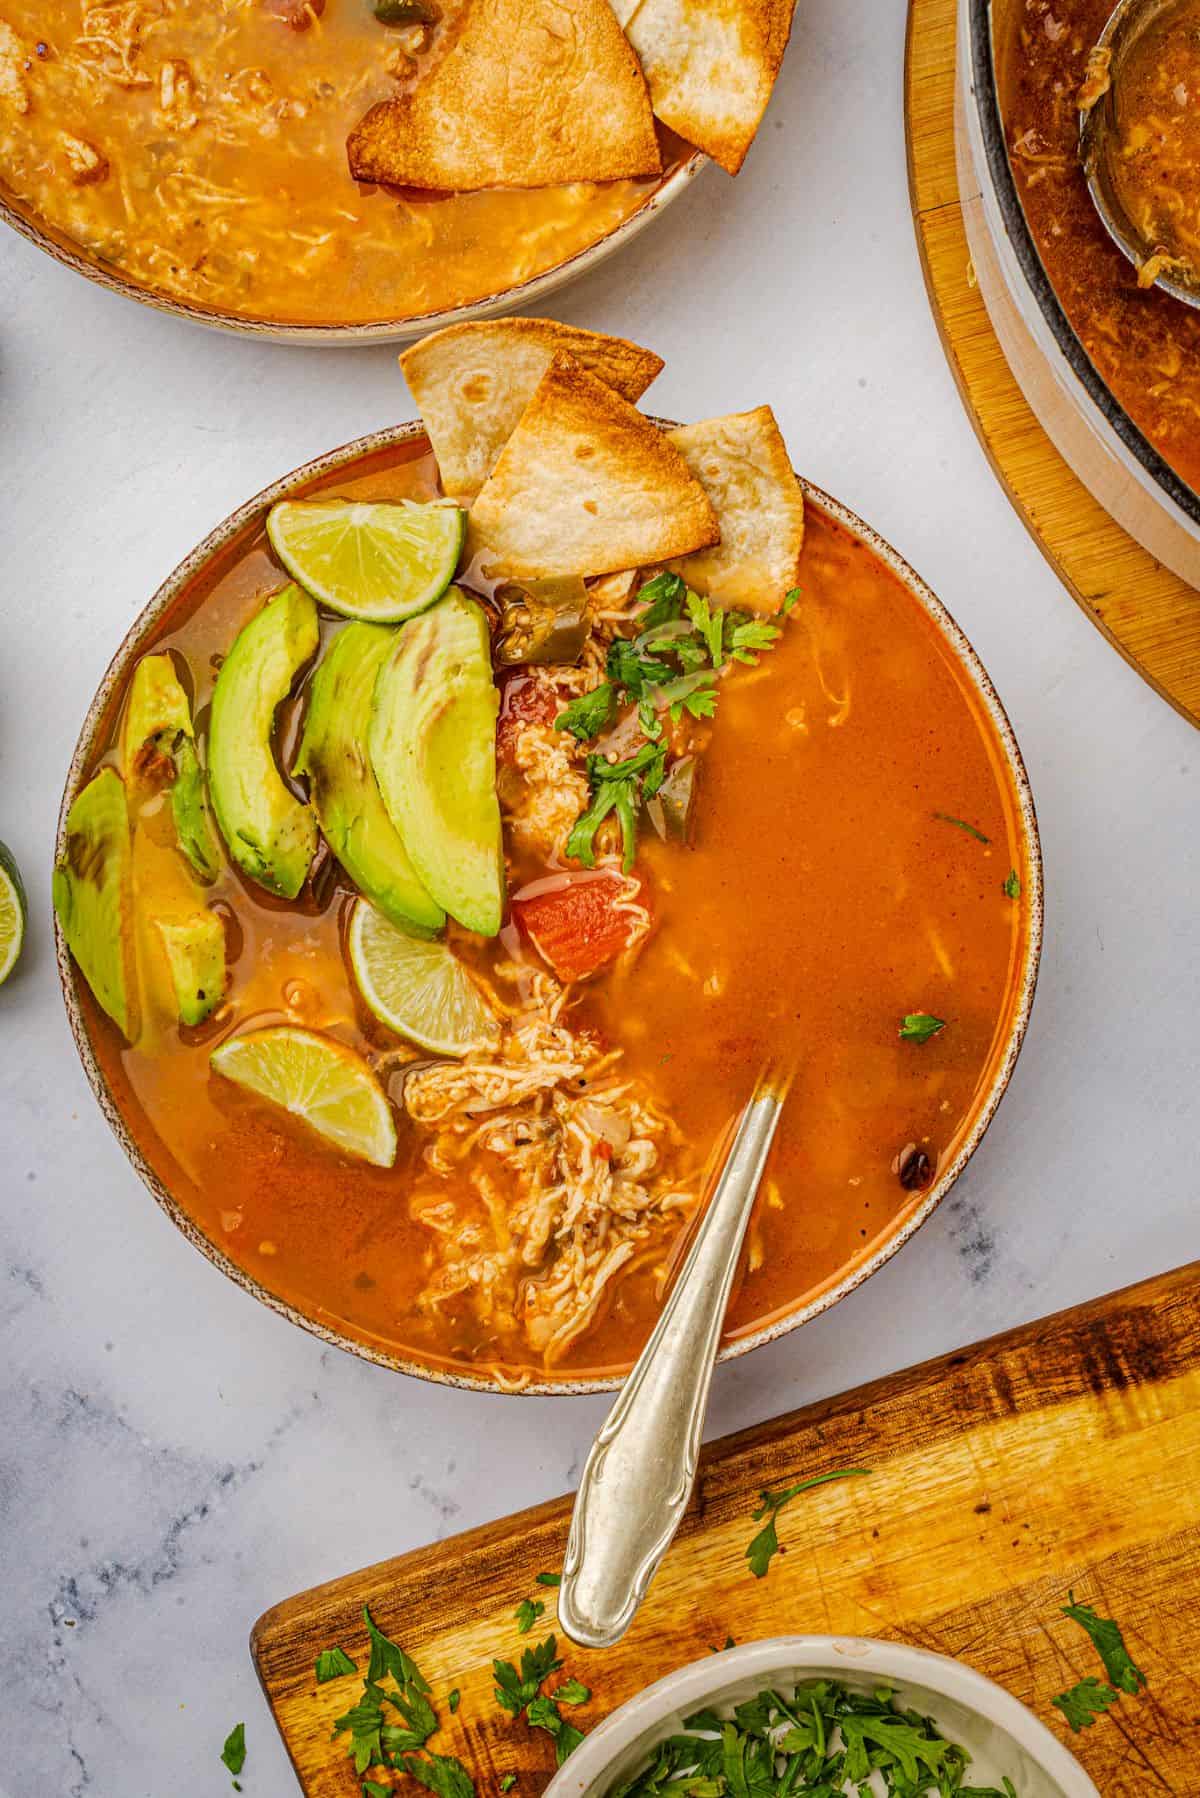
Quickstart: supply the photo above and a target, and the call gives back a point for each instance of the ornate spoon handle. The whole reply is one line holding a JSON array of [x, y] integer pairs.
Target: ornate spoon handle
[[639, 1475]]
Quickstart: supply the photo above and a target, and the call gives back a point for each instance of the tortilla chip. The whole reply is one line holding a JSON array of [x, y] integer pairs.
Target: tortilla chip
[[527, 93], [586, 485], [711, 65], [472, 383], [743, 465]]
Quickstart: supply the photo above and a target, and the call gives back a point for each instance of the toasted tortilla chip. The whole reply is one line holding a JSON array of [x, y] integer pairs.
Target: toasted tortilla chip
[[586, 485], [472, 383], [527, 93], [743, 465], [711, 65]]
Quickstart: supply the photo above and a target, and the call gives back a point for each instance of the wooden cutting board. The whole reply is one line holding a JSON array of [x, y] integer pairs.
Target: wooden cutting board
[[1065, 1454], [1146, 612]]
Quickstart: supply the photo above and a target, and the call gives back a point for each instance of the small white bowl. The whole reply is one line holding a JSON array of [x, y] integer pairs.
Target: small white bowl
[[1002, 1737]]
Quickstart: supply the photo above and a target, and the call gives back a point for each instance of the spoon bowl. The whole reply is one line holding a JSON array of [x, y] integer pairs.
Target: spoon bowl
[[1099, 134]]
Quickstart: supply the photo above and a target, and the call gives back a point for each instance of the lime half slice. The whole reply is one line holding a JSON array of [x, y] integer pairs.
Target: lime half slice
[[319, 1081], [12, 914], [417, 988], [381, 560]]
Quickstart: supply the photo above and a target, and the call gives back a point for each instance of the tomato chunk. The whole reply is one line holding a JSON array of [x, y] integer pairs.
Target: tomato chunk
[[524, 699], [579, 927]]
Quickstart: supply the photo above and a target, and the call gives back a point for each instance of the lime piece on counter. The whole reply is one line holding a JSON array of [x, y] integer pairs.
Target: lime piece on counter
[[418, 988], [381, 560], [12, 913], [319, 1081]]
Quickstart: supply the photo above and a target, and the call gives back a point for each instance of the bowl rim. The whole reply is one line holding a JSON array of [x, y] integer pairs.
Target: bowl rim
[[704, 1681], [859, 1269], [984, 86], [347, 334]]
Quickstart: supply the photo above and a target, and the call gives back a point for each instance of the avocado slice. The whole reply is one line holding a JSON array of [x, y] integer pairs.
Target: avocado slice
[[195, 949], [342, 788], [270, 834], [432, 742], [158, 746], [93, 897]]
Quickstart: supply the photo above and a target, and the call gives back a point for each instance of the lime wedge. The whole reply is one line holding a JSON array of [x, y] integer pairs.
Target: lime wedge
[[12, 914], [318, 1080], [382, 561], [417, 988]]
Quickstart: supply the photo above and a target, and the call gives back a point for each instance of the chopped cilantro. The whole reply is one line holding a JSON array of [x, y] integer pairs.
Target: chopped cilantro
[[528, 1612], [616, 787], [766, 1544], [453, 1700], [711, 626], [919, 1026], [372, 1789], [549, 1579], [508, 1782], [234, 1752], [521, 1694], [389, 1657], [663, 598], [1012, 886], [961, 824], [440, 1773], [573, 1691], [1121, 1669], [333, 1663], [376, 1740], [588, 715], [1085, 1702], [790, 599], [817, 1739], [744, 636]]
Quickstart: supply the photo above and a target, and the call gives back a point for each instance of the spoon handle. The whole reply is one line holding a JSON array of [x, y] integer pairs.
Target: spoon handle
[[639, 1475]]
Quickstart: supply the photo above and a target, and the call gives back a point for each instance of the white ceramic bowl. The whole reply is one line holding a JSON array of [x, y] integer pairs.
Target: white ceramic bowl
[[1001, 1735], [1087, 426]]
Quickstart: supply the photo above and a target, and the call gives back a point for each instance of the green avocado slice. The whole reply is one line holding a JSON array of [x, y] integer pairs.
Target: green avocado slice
[[432, 741], [271, 835], [158, 744], [93, 897], [342, 788], [195, 949]]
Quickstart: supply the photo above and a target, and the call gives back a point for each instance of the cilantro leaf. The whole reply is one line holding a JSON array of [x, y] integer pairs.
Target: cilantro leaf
[[961, 824], [919, 1026], [333, 1663], [765, 1546], [573, 1691], [527, 1614], [549, 1579], [364, 1721], [1012, 886], [790, 599], [1085, 1702], [234, 1752], [440, 1773], [566, 1742], [710, 623], [453, 1700], [543, 1713], [1121, 1669], [588, 715], [389, 1657], [744, 636], [508, 1782], [373, 1789], [626, 668], [663, 599]]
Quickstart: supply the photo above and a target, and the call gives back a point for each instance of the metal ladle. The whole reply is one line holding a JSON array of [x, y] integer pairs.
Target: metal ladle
[[1098, 136], [640, 1473]]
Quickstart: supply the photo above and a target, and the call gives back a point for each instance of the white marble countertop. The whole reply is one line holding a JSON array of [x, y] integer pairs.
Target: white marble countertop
[[173, 1457]]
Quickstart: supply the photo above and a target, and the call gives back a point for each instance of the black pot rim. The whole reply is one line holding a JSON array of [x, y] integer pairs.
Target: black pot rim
[[985, 92]]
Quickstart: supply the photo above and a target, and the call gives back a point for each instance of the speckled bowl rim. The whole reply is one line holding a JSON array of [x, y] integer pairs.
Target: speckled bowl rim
[[860, 1269], [1097, 401], [395, 330]]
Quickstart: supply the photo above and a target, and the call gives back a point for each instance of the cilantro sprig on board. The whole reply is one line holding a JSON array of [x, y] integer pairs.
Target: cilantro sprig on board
[[392, 1720], [1092, 1696], [765, 1546], [520, 1692]]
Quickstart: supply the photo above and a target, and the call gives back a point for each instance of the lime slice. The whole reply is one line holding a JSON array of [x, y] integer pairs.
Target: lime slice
[[12, 914], [382, 561], [417, 988], [327, 1085]]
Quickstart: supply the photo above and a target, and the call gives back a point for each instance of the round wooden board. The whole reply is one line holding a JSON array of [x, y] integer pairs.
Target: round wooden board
[[1147, 613]]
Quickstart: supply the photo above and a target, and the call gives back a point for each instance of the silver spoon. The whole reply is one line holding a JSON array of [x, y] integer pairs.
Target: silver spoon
[[1098, 133], [640, 1473]]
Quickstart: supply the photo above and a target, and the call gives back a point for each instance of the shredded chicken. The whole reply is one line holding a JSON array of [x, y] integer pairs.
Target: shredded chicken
[[576, 1175], [14, 89]]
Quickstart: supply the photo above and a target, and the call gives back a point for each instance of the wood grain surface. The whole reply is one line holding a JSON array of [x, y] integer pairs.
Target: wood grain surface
[[1062, 1455], [1149, 614]]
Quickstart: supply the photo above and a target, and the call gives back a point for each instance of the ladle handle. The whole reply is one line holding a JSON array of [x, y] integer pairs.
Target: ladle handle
[[639, 1475]]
